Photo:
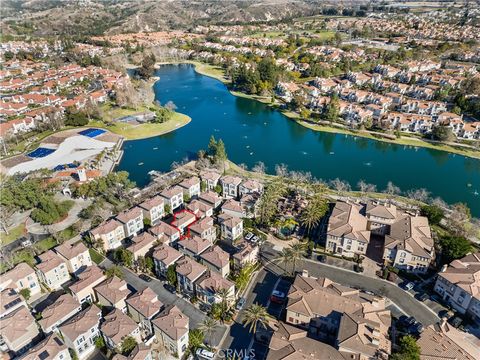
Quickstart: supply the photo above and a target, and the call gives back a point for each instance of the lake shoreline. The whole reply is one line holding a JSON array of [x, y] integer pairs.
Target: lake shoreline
[[214, 72]]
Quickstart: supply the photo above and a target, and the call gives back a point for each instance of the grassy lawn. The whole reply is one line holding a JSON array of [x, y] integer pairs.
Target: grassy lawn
[[133, 132], [216, 72], [26, 255], [96, 257], [13, 234]]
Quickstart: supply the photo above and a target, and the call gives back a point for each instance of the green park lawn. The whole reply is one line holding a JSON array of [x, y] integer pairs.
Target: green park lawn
[[13, 234]]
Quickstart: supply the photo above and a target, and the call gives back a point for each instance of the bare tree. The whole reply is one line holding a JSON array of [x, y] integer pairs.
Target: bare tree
[[281, 170], [419, 195], [170, 105], [365, 187], [259, 168], [340, 185], [392, 189]]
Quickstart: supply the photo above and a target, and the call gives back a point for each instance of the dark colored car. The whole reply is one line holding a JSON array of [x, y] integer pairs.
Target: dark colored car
[[321, 258], [240, 304], [422, 297], [410, 321], [145, 277], [456, 321], [402, 320], [170, 288]]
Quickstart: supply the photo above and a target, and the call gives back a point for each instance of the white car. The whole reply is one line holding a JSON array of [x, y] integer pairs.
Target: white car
[[205, 354], [248, 236]]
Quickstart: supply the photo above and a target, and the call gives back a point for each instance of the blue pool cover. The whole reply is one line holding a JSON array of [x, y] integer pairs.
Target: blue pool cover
[[91, 133], [40, 152], [63, 167]]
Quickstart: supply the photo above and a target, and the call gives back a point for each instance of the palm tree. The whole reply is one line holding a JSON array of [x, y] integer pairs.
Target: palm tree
[[285, 257], [297, 251], [208, 327], [225, 300], [255, 315], [312, 215]]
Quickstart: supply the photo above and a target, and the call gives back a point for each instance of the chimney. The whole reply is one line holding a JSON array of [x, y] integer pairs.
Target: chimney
[[444, 267], [305, 273]]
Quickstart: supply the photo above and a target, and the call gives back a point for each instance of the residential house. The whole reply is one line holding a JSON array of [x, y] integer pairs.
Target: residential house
[[210, 178], [380, 217], [217, 260], [117, 326], [18, 330], [79, 332], [409, 245], [58, 312], [246, 254], [183, 219], [153, 209], [233, 208], [443, 341], [290, 342], [200, 208], [231, 227], [52, 348], [249, 186], [194, 246], [204, 229], [211, 198], [52, 270], [113, 293], [165, 256], [166, 233], [188, 271], [171, 330], [209, 285], [83, 289], [139, 352], [132, 220], [459, 285], [250, 204], [143, 306], [230, 186], [111, 233], [10, 301], [173, 197], [318, 304], [21, 277], [75, 255], [142, 244], [347, 232], [191, 187]]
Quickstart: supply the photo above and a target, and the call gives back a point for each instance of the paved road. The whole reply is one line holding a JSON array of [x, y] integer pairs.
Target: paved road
[[402, 299], [196, 316]]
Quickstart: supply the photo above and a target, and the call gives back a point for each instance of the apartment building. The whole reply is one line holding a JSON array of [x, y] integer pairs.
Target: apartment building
[[459, 285], [347, 232]]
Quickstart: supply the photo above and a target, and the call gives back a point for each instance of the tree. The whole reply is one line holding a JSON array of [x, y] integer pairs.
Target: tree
[[312, 215], [392, 190], [418, 195], [332, 110], [285, 257], [172, 275], [443, 133], [128, 344], [434, 213], [195, 340], [454, 247], [366, 188], [221, 153], [255, 315], [212, 146], [297, 252], [114, 271], [123, 256], [25, 292], [147, 67], [208, 327], [100, 343], [409, 349]]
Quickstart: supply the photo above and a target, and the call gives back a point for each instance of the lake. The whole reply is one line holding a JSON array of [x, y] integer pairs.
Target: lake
[[254, 132]]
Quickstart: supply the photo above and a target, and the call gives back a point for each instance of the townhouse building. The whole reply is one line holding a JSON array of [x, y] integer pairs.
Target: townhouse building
[[173, 197], [79, 332], [204, 228], [347, 232], [116, 326], [165, 233], [183, 219], [231, 227], [217, 260], [200, 208], [76, 256], [246, 254], [10, 301], [58, 312], [230, 186], [249, 186], [409, 245], [459, 285], [380, 217], [171, 328], [143, 306], [52, 270], [111, 233], [139, 352], [52, 348], [191, 187], [22, 276], [194, 246], [83, 288], [141, 245], [188, 271], [112, 293], [210, 178], [210, 284], [153, 209], [132, 220], [165, 256], [18, 330], [211, 198], [233, 208]]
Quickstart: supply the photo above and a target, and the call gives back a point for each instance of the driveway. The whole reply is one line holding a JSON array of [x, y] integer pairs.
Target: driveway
[[196, 316]]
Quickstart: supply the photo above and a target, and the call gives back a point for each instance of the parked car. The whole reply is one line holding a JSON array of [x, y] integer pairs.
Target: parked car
[[277, 297], [170, 288], [240, 304], [402, 320], [145, 277], [422, 297], [415, 328], [255, 239], [410, 321], [321, 258], [248, 236], [456, 321], [205, 354], [409, 286]]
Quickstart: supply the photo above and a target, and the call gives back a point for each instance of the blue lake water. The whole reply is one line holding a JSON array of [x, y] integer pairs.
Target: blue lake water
[[254, 132]]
